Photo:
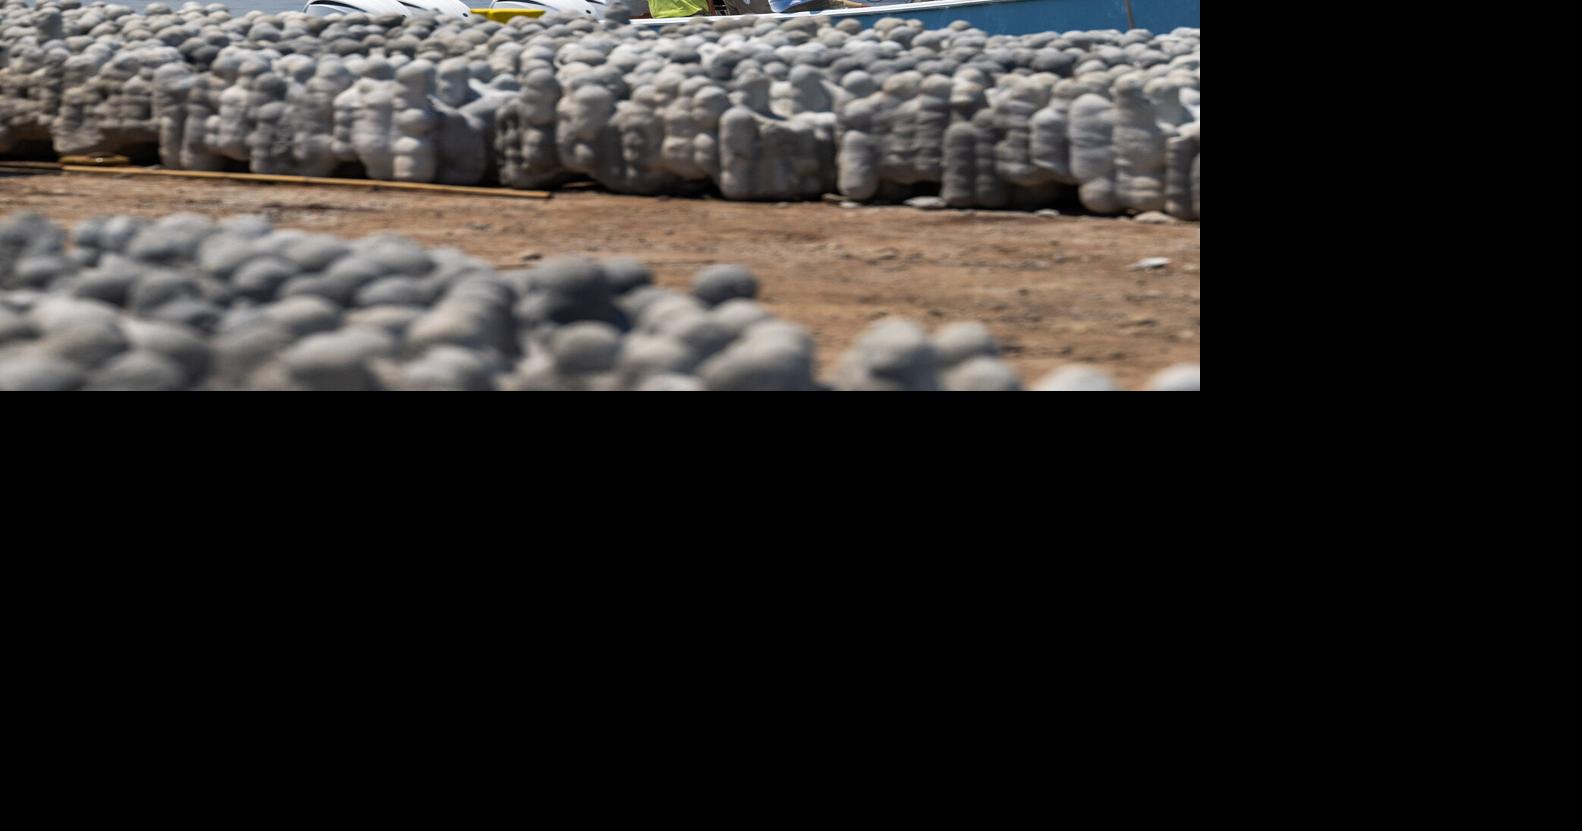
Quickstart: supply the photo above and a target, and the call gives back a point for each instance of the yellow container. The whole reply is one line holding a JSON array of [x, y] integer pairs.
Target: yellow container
[[505, 15]]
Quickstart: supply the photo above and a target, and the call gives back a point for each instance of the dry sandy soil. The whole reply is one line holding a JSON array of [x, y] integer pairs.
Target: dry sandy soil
[[1053, 290]]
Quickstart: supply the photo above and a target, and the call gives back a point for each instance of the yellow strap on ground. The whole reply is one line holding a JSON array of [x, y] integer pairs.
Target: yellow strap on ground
[[505, 15], [97, 159], [313, 180]]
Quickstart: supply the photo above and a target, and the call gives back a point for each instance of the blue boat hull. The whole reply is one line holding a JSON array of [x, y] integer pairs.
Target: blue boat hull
[[1022, 17]]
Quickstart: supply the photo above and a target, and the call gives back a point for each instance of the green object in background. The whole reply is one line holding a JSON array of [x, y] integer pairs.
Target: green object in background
[[675, 8]]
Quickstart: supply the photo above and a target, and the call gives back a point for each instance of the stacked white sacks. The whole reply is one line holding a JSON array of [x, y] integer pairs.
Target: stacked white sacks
[[748, 107]]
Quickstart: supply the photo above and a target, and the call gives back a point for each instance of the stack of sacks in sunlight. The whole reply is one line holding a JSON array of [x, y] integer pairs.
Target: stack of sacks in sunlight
[[751, 108]]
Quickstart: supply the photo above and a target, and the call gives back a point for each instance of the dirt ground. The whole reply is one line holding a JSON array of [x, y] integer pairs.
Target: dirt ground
[[1053, 290]]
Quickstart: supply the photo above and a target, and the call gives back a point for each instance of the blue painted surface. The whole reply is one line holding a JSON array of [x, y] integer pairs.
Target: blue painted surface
[[1006, 17], [1160, 16], [1022, 17]]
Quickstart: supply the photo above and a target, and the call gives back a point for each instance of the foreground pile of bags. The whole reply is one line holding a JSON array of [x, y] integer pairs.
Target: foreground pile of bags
[[185, 302], [754, 108]]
